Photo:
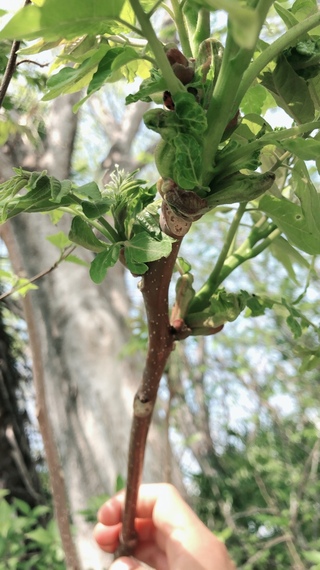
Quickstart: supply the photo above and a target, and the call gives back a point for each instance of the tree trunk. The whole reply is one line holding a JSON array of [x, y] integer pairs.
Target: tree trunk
[[17, 469]]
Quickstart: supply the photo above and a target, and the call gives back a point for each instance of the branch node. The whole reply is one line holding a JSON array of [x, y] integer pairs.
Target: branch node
[[142, 407]]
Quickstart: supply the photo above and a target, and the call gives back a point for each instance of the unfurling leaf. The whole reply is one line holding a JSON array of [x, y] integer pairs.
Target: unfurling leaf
[[239, 188], [82, 234], [103, 261]]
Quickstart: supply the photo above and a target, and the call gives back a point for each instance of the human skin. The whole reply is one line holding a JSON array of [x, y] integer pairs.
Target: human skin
[[170, 535]]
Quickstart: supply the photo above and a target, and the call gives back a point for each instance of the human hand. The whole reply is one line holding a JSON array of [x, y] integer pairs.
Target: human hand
[[170, 535]]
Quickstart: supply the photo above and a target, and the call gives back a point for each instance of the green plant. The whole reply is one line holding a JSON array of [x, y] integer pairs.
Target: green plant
[[27, 542], [213, 152]]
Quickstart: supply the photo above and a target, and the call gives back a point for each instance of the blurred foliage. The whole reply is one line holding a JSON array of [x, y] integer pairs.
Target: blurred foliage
[[29, 537]]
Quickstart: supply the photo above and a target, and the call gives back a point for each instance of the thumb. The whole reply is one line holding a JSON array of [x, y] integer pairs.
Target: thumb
[[125, 563]]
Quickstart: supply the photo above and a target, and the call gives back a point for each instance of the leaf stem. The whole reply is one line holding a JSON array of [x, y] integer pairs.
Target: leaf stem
[[181, 28], [287, 39], [173, 83], [225, 100], [101, 225], [247, 250], [202, 30], [269, 138], [210, 286]]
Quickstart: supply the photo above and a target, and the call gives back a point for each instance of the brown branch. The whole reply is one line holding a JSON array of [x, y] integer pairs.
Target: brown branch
[[154, 287], [11, 66], [266, 546], [40, 274], [33, 63], [55, 472]]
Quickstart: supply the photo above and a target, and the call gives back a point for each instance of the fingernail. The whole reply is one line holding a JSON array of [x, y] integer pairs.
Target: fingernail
[[122, 565]]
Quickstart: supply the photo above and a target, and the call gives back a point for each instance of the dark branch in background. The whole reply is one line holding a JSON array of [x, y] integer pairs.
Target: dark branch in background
[[33, 63], [11, 66]]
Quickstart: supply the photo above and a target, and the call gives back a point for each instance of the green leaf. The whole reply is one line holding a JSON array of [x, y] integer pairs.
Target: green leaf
[[60, 240], [55, 187], [148, 87], [120, 484], [96, 209], [65, 189], [188, 160], [306, 149], [224, 307], [257, 100], [82, 234], [37, 47], [77, 260], [182, 265], [105, 67], [36, 200], [40, 510], [40, 535], [290, 91], [148, 219], [89, 190], [72, 79], [143, 248], [103, 261], [286, 15], [192, 115], [22, 506], [312, 556], [287, 256], [60, 19], [23, 285], [257, 304], [304, 8], [301, 228]]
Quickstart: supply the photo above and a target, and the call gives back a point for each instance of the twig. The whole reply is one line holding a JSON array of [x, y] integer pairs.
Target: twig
[[11, 65], [33, 62], [155, 285], [266, 546], [55, 472], [39, 275]]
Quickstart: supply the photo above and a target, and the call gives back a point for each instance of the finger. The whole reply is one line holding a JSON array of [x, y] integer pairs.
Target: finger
[[107, 537], [160, 502], [111, 512]]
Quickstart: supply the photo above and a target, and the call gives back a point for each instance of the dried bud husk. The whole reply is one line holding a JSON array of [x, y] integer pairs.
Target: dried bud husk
[[186, 203], [183, 73], [174, 55], [172, 224]]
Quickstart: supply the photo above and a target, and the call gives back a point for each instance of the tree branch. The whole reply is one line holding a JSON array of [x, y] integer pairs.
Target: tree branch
[[11, 65], [41, 274], [55, 472], [154, 287]]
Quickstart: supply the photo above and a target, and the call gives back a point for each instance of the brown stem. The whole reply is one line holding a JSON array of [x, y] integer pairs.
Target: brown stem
[[41, 274], [155, 285], [11, 65], [55, 472]]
